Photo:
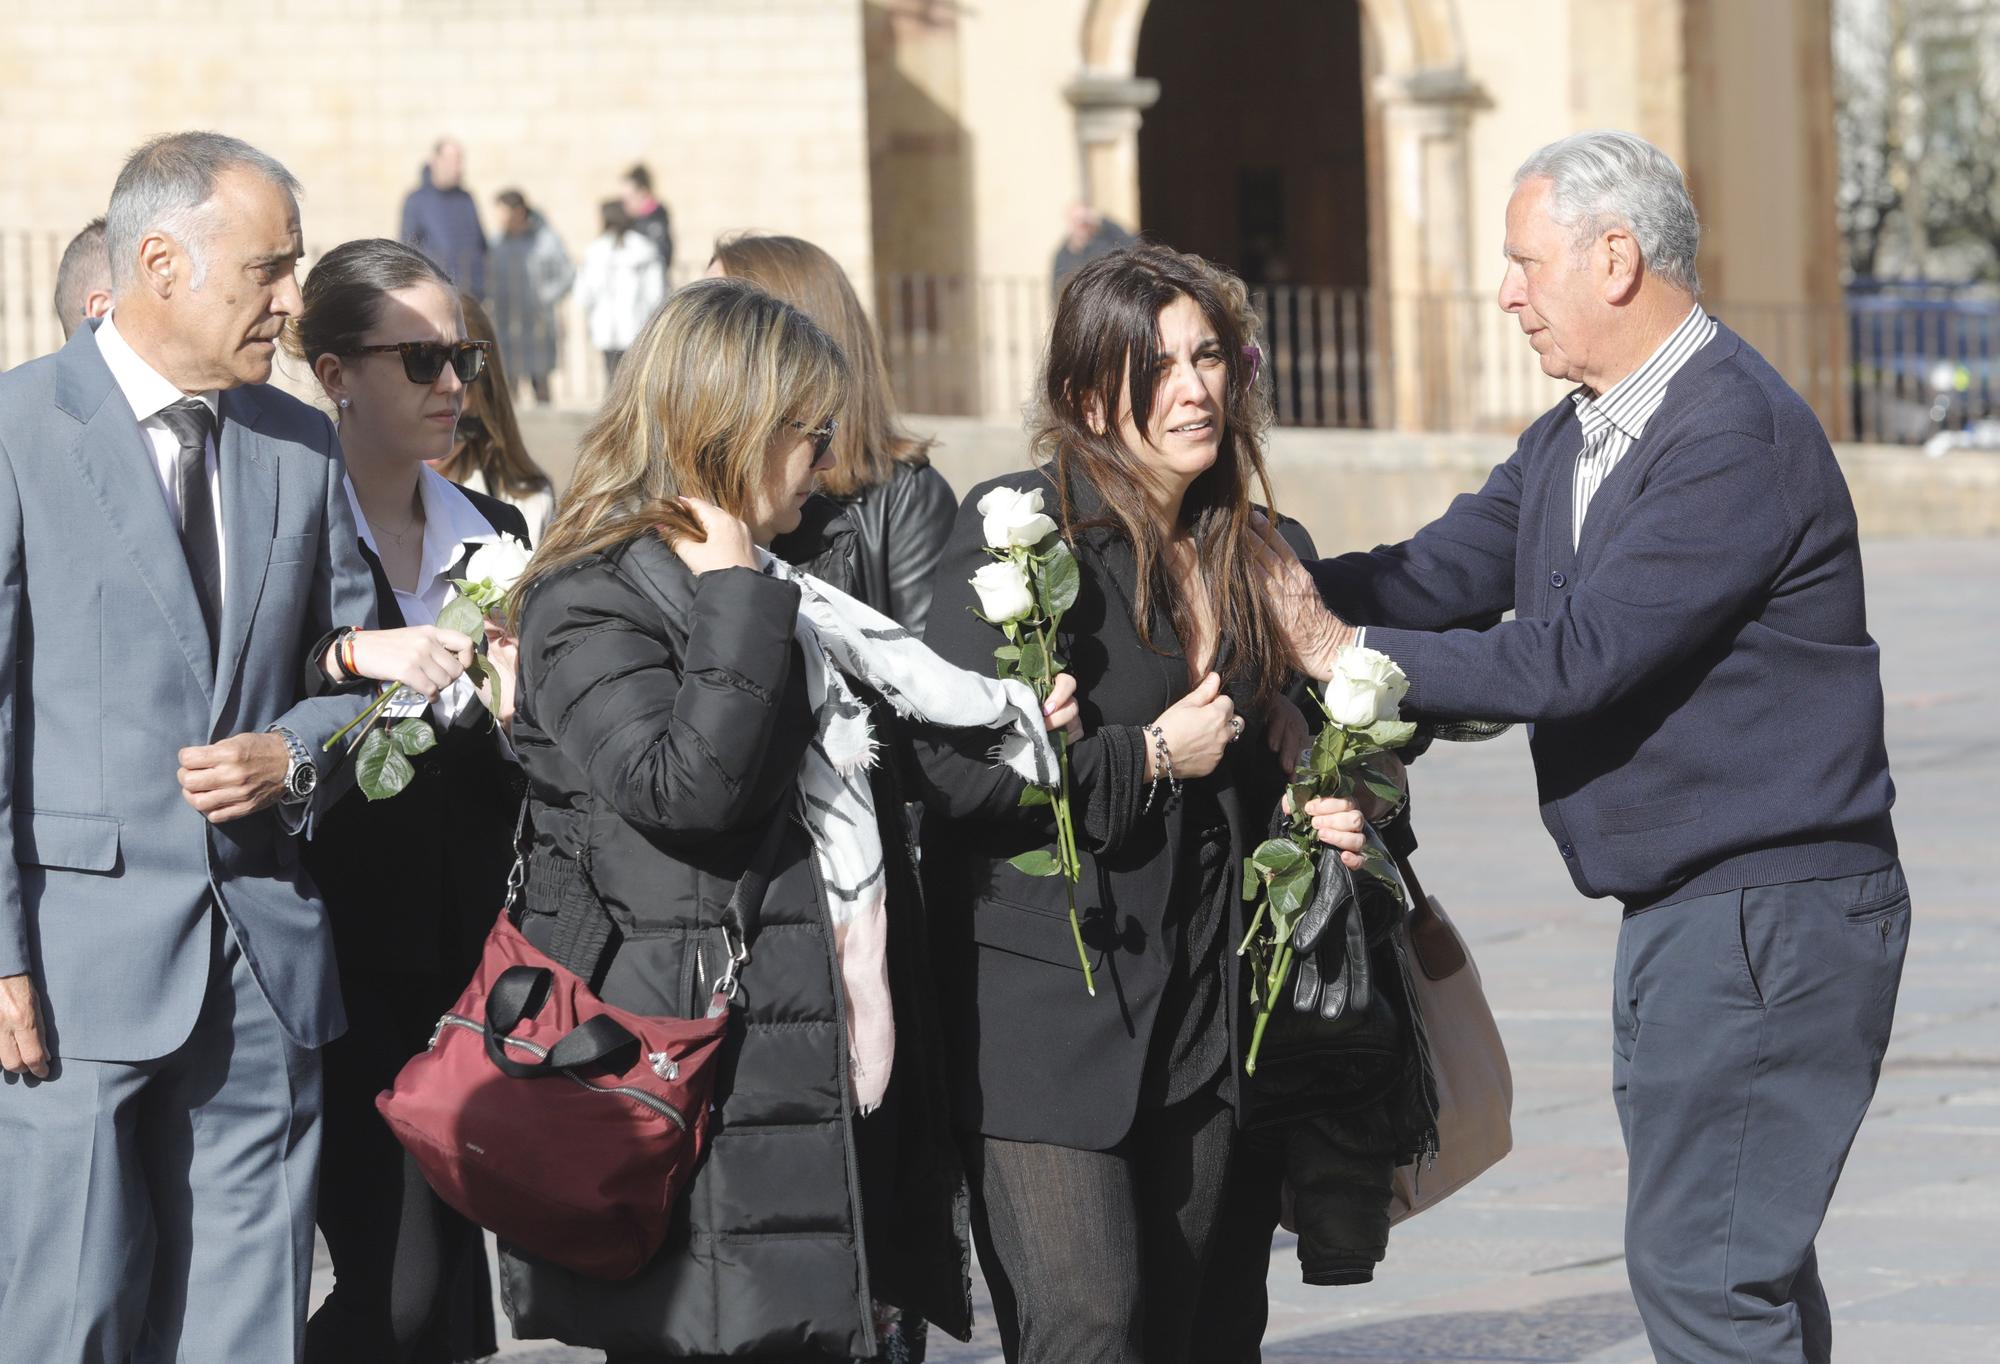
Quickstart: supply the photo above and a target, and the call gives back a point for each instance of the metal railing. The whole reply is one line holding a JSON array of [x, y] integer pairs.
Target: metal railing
[[1874, 368]]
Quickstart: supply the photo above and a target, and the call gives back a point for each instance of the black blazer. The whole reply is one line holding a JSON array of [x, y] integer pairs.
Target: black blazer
[[413, 883], [1034, 1057]]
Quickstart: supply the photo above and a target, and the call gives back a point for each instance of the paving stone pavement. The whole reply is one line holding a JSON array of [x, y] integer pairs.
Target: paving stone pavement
[[1525, 1265]]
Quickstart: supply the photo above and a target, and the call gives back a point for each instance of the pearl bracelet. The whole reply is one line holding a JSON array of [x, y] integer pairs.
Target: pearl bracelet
[[1163, 770]]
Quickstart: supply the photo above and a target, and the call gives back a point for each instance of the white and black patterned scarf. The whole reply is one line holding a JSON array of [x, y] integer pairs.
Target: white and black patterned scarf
[[849, 639]]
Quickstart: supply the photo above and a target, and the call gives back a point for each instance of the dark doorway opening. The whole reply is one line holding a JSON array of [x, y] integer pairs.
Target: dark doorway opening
[[1256, 156]]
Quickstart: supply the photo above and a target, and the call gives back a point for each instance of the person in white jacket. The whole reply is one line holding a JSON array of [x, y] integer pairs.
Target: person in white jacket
[[621, 284]]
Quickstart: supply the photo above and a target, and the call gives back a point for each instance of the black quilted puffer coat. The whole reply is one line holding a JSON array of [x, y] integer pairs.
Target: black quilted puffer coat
[[661, 721]]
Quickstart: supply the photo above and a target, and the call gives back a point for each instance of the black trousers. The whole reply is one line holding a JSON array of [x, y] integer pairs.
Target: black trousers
[[1749, 1032], [410, 1281], [1096, 1257]]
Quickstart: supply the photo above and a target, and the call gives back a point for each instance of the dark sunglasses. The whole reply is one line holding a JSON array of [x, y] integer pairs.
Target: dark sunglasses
[[822, 436], [423, 361]]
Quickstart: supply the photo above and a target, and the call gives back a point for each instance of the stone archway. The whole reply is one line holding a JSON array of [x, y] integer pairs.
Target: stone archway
[[1418, 107]]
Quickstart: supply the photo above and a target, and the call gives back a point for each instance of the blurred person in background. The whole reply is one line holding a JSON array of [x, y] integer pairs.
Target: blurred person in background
[[622, 281], [441, 219], [901, 507], [529, 273], [1090, 235], [489, 456], [83, 279], [411, 882], [648, 214]]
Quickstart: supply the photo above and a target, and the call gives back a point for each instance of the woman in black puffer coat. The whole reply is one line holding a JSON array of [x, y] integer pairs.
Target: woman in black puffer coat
[[662, 720]]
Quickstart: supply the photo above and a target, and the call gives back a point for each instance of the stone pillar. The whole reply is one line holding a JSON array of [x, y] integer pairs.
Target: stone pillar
[[1108, 111], [1426, 355]]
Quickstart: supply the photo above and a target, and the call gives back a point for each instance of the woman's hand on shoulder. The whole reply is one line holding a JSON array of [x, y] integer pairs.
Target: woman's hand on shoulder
[[1198, 727], [421, 657], [728, 543]]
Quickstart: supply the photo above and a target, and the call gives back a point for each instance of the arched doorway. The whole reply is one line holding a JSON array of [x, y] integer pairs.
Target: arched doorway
[[1256, 155]]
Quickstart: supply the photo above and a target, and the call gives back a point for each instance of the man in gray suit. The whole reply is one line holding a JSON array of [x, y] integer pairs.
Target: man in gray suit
[[175, 545]]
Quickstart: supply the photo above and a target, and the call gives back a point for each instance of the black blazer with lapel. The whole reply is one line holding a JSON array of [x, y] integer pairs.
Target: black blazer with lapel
[[1034, 1057], [413, 883]]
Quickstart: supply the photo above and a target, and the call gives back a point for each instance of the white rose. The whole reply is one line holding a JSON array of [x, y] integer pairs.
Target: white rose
[[1014, 520], [1004, 593], [1365, 689], [500, 562]]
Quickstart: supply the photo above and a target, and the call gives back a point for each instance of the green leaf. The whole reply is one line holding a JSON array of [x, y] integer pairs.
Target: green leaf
[[1329, 751], [1391, 733], [1032, 796], [483, 593], [1059, 581], [1008, 653], [1277, 855], [413, 736], [1252, 878], [1034, 658], [1382, 786], [1040, 862], [1289, 892], [483, 671], [463, 615], [379, 770]]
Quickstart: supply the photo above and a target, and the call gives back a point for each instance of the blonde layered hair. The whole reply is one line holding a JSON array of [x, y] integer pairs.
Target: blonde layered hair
[[700, 406], [871, 441]]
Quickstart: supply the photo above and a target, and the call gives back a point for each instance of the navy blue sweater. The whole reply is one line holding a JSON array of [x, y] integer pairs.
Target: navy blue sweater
[[1706, 703]]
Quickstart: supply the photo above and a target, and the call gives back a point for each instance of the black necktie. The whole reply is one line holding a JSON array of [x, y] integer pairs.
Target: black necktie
[[192, 422]]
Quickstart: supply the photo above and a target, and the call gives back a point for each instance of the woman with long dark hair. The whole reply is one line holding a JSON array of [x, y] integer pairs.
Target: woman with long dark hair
[[412, 882], [1098, 1131]]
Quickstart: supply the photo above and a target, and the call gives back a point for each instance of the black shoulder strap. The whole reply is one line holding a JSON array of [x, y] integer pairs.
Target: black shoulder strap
[[746, 903]]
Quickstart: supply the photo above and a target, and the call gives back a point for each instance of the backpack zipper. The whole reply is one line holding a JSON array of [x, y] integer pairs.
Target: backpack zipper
[[638, 1096]]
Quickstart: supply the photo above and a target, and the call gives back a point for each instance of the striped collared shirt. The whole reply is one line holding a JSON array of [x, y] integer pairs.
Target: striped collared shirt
[[1613, 422]]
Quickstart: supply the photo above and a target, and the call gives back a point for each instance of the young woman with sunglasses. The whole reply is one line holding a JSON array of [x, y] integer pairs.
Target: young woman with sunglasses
[[413, 882], [490, 455]]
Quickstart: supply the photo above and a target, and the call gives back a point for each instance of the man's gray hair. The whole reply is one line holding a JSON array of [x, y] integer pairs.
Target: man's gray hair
[[1601, 179], [166, 187]]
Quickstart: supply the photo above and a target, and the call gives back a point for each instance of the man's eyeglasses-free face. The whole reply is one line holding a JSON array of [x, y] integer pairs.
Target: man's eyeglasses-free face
[[822, 436], [423, 361]]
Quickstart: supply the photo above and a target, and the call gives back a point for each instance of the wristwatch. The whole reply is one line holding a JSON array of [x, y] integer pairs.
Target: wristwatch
[[303, 774]]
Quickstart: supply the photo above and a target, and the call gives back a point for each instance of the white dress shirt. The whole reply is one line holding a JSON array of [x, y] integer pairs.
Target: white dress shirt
[[451, 523], [150, 393]]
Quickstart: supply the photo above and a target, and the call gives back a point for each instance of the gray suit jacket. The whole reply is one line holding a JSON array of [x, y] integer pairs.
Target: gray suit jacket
[[105, 870]]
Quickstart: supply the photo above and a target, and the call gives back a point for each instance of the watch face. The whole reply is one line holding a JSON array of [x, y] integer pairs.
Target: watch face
[[302, 780]]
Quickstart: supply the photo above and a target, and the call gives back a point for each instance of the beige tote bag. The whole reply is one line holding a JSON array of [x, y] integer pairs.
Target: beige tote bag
[[1475, 1086]]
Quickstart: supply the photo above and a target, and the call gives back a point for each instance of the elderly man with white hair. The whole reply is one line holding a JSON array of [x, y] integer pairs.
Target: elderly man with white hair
[[1689, 643]]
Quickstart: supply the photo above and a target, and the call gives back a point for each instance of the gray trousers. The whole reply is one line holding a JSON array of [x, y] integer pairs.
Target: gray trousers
[[162, 1210], [1749, 1033]]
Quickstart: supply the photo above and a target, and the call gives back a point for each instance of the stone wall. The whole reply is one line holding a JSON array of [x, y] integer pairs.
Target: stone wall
[[751, 113]]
